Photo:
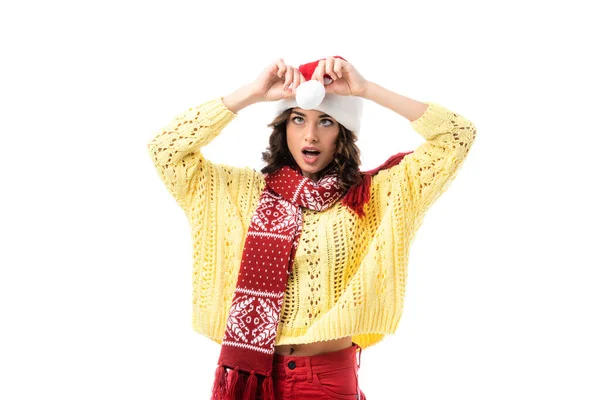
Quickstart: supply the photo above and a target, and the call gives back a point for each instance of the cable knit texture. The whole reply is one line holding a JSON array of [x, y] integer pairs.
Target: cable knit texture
[[349, 273]]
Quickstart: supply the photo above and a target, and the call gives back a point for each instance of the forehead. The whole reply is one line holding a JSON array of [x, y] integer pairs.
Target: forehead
[[310, 113]]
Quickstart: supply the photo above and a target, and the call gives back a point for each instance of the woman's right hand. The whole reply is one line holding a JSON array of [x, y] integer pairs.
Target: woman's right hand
[[278, 81]]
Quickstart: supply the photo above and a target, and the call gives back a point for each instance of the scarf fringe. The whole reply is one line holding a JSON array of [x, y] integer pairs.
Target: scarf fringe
[[233, 383], [359, 195], [251, 384], [219, 390], [228, 383], [267, 389]]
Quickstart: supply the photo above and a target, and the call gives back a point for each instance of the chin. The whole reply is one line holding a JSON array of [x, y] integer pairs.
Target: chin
[[312, 169]]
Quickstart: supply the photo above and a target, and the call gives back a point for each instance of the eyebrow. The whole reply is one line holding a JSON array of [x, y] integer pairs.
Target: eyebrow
[[304, 115]]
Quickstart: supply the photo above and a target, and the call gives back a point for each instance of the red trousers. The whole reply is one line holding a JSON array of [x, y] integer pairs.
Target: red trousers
[[324, 376]]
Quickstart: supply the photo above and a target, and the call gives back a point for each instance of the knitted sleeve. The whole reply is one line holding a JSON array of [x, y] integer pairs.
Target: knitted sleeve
[[423, 175], [175, 152]]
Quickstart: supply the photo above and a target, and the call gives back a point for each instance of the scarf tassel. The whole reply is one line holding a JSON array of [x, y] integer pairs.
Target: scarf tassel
[[219, 390], [267, 389], [233, 383], [251, 384], [228, 384], [359, 195]]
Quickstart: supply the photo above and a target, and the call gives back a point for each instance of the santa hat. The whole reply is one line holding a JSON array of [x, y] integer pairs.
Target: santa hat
[[311, 95]]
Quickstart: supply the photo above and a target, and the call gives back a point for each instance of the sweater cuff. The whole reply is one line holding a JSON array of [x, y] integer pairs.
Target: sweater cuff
[[214, 112], [433, 121]]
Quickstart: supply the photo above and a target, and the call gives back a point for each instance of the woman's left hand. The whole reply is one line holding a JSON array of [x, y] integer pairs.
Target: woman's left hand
[[347, 81]]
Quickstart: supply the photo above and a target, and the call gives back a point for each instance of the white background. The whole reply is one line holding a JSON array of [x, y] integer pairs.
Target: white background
[[95, 282]]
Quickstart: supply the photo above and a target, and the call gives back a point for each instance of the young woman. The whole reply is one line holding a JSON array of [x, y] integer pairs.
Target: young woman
[[300, 266]]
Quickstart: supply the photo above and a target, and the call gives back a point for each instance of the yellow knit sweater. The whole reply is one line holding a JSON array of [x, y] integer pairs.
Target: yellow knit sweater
[[349, 274]]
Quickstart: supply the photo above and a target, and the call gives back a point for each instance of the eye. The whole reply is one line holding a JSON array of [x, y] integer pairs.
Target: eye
[[329, 122]]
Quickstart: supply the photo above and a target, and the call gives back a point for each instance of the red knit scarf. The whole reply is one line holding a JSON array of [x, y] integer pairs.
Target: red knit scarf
[[248, 346]]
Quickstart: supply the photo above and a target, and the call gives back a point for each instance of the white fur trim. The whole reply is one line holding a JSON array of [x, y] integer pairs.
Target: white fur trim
[[347, 110]]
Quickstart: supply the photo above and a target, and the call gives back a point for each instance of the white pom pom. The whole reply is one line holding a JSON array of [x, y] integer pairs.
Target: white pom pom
[[310, 94]]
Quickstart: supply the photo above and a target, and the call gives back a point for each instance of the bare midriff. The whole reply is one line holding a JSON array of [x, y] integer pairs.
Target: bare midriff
[[312, 349]]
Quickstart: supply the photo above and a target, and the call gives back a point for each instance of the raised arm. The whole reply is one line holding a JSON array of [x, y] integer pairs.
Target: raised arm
[[422, 176], [176, 154], [176, 149]]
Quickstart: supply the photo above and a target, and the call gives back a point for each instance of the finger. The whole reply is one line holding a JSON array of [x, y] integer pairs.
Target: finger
[[318, 74], [289, 76], [337, 67], [302, 78], [280, 68], [296, 79], [291, 90], [288, 94], [329, 63]]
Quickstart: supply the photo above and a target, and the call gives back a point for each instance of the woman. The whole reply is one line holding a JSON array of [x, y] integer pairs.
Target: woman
[[301, 265]]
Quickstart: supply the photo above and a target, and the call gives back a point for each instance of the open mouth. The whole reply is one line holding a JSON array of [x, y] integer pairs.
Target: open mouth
[[311, 153], [310, 156]]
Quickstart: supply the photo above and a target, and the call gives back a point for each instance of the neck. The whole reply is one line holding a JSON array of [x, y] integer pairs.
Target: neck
[[316, 176]]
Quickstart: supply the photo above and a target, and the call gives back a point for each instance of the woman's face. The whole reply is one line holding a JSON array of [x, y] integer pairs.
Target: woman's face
[[311, 129]]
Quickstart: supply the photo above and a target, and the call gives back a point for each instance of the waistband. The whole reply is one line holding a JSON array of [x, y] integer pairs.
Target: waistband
[[286, 365]]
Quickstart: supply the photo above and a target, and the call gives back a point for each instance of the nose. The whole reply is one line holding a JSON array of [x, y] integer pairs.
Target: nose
[[310, 134]]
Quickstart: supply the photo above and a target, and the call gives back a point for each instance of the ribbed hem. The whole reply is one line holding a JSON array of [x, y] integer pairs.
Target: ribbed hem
[[209, 325], [364, 326], [433, 121], [214, 112], [367, 326]]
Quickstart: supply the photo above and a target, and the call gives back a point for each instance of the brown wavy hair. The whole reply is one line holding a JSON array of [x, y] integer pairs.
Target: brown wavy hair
[[345, 162]]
